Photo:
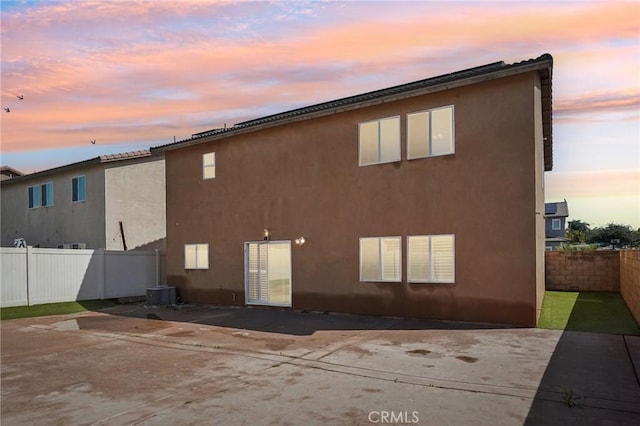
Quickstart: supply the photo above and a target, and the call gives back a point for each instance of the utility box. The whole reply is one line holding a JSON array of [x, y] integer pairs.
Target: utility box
[[161, 296]]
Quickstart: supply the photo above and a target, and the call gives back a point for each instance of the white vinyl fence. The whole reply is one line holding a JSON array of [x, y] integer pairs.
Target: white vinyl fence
[[32, 276]]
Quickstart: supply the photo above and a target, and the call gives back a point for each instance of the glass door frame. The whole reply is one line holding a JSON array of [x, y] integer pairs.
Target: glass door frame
[[247, 300]]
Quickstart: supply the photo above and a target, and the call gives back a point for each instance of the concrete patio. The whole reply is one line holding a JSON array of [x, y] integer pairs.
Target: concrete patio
[[220, 365]]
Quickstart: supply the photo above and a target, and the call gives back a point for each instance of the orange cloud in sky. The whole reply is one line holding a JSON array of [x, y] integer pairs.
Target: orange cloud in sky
[[599, 103], [122, 71], [618, 183]]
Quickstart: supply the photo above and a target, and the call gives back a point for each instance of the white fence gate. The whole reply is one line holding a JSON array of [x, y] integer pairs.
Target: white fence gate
[[32, 276]]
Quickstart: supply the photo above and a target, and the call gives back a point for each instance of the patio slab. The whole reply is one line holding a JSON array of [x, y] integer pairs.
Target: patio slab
[[221, 365]]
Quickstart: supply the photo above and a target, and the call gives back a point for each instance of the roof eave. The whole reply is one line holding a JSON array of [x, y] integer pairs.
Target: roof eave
[[543, 65], [72, 166]]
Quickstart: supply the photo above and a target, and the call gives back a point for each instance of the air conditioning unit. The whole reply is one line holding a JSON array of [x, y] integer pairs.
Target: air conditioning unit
[[161, 296], [79, 246], [64, 246]]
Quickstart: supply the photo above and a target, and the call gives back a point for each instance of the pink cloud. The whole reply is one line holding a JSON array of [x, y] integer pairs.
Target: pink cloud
[[107, 69], [590, 107], [613, 183]]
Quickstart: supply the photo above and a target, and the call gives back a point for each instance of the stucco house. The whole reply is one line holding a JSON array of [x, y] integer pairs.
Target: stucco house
[[115, 202], [7, 172], [385, 203], [555, 224]]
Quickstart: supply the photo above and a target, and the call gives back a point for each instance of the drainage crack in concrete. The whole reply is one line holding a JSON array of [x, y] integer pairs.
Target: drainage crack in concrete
[[305, 361], [203, 385]]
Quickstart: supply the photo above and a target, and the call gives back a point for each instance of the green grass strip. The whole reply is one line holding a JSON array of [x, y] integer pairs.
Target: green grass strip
[[597, 312], [54, 309]]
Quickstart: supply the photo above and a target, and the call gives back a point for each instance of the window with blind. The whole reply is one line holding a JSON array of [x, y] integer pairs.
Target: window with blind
[[379, 141], [430, 133], [196, 256], [431, 259], [380, 259], [209, 165]]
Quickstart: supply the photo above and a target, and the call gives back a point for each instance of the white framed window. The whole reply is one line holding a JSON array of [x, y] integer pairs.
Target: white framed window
[[556, 224], [34, 196], [47, 194], [78, 189], [40, 195], [431, 259], [209, 165], [380, 259], [196, 256], [379, 141], [430, 133]]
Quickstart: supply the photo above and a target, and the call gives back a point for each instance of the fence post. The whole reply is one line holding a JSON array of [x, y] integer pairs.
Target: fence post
[[103, 272], [30, 265], [157, 267]]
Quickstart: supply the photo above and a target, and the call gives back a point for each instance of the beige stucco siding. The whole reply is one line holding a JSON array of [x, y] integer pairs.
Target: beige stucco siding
[[135, 196], [63, 222], [539, 188]]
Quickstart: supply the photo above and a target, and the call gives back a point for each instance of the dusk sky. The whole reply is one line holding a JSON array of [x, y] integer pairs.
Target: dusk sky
[[135, 74]]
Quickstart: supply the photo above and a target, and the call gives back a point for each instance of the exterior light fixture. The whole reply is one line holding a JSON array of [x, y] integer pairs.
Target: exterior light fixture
[[266, 234], [300, 241]]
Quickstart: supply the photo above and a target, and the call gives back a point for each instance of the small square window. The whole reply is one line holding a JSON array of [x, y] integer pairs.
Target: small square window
[[379, 141], [196, 256], [380, 259], [430, 133], [209, 165], [556, 224], [431, 259]]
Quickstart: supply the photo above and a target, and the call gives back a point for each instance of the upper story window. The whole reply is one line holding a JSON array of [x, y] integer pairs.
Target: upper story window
[[196, 256], [430, 133], [34, 196], [209, 165], [78, 189], [556, 224], [41, 195], [380, 259], [379, 141], [47, 194], [431, 259]]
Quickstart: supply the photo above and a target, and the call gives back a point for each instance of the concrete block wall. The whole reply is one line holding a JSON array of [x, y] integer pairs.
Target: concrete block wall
[[630, 280], [582, 270]]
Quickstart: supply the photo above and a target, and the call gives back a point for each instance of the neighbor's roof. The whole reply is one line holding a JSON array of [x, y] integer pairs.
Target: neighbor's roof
[[543, 65], [559, 209], [96, 160], [11, 170]]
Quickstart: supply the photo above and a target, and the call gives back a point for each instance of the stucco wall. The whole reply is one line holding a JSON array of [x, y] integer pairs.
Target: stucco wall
[[539, 199], [135, 196], [582, 270], [630, 280], [303, 179], [63, 222]]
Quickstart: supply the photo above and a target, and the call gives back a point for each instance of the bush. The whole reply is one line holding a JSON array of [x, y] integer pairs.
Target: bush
[[579, 247]]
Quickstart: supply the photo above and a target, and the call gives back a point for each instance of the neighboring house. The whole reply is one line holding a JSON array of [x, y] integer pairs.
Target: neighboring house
[[113, 201], [7, 172], [387, 203], [555, 215]]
